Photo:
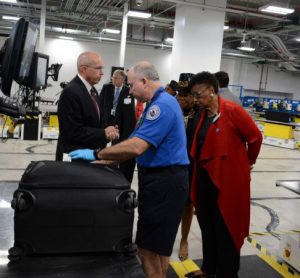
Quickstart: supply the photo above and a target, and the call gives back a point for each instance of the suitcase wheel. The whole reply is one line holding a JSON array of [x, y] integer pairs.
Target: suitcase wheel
[[22, 200], [15, 253], [126, 246], [127, 201]]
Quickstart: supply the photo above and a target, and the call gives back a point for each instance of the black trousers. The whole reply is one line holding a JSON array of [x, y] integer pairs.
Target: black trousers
[[220, 256]]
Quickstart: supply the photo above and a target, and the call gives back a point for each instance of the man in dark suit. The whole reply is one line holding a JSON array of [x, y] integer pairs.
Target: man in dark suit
[[109, 97], [127, 113], [80, 125]]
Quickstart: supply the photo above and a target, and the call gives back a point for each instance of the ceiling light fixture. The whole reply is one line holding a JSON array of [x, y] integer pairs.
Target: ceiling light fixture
[[275, 9], [169, 40], [298, 39], [65, 38], [226, 27], [246, 48], [111, 31], [13, 18], [9, 1], [138, 14]]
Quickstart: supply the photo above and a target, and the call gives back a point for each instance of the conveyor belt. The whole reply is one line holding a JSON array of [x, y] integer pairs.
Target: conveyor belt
[[293, 185]]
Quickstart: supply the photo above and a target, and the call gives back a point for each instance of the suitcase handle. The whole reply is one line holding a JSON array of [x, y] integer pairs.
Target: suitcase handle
[[127, 201], [22, 200]]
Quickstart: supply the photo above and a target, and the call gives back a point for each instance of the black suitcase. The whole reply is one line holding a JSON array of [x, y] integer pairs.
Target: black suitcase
[[63, 207]]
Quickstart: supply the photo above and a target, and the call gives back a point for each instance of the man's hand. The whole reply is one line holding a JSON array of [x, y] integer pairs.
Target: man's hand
[[85, 154], [112, 133]]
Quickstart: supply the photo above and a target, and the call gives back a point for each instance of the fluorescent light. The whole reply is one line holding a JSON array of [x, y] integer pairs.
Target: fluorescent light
[[246, 48], [111, 31], [169, 40], [138, 14], [4, 204], [14, 18], [65, 38], [226, 27], [276, 9], [9, 1], [298, 39]]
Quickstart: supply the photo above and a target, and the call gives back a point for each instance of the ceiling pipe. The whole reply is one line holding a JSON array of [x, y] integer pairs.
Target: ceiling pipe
[[229, 10]]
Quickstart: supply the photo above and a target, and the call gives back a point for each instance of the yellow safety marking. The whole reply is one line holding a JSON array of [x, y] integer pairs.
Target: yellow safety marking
[[190, 265], [275, 232], [182, 268], [281, 267], [179, 269]]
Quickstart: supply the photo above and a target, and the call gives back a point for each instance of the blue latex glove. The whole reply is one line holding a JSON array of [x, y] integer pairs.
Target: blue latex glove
[[85, 154]]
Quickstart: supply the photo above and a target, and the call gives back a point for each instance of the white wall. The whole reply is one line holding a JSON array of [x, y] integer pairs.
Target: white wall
[[66, 52], [241, 72]]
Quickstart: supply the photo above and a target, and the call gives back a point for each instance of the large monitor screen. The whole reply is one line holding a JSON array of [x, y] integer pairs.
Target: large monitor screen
[[28, 49], [11, 55]]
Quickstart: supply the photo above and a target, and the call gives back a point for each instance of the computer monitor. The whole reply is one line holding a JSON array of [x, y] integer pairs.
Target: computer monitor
[[22, 76], [38, 71], [10, 55]]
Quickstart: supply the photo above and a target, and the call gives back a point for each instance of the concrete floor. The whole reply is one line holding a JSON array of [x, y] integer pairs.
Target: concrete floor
[[268, 201]]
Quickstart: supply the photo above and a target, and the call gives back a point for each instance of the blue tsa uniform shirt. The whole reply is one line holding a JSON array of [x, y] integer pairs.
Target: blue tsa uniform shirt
[[162, 126]]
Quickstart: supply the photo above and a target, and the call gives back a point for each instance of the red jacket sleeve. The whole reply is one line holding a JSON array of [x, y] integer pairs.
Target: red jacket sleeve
[[248, 131]]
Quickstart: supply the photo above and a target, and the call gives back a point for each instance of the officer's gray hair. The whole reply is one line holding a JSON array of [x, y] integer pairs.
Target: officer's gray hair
[[147, 70]]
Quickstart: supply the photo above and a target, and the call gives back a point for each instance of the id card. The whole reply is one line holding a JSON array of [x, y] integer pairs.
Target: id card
[[127, 100]]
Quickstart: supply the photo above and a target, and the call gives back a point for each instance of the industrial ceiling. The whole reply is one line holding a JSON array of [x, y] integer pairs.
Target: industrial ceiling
[[274, 37]]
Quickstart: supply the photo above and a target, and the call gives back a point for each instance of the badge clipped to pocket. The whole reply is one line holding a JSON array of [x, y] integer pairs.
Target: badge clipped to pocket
[[127, 100]]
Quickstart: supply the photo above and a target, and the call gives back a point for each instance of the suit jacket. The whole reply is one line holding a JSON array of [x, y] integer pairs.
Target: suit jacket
[[106, 103], [79, 123], [125, 114]]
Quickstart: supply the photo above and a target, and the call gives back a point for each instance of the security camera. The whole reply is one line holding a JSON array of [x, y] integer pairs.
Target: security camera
[[139, 2]]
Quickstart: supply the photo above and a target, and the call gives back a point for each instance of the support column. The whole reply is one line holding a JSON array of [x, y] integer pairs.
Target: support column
[[198, 37], [42, 26], [124, 35]]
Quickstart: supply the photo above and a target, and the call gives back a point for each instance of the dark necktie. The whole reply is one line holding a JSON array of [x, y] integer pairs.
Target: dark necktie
[[94, 98]]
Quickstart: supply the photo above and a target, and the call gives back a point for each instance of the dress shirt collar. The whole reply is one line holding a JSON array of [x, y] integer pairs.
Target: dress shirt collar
[[86, 84], [120, 88]]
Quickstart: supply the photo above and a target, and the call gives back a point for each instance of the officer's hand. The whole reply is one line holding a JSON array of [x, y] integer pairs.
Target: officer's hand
[[85, 154], [112, 133]]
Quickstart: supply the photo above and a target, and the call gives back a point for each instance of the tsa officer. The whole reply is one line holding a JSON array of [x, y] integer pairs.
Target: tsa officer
[[159, 143]]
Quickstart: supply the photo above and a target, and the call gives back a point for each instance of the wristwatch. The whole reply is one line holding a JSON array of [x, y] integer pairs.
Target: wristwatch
[[96, 153]]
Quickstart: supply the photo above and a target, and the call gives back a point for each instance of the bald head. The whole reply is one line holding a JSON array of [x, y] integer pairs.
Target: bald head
[[145, 69], [90, 66], [143, 80]]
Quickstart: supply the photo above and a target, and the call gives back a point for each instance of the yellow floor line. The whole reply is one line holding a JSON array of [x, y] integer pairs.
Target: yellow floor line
[[281, 267], [179, 269], [190, 265], [182, 268]]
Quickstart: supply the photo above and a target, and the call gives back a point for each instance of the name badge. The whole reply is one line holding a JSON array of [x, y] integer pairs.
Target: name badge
[[127, 100]]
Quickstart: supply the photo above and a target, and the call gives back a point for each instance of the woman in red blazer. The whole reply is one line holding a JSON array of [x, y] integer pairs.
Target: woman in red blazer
[[225, 146]]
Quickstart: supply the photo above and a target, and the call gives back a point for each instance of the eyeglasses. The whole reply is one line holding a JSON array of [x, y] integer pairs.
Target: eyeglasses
[[200, 94], [99, 68]]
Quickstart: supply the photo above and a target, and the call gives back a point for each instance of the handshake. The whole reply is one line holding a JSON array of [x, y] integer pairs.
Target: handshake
[[112, 133]]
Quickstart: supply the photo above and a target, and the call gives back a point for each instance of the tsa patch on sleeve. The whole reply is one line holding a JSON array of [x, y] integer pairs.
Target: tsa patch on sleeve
[[153, 113]]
